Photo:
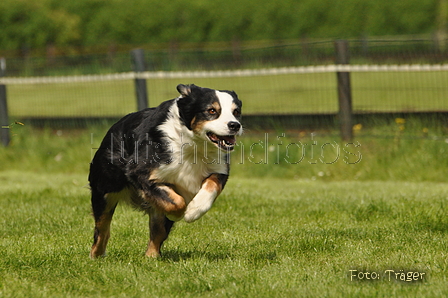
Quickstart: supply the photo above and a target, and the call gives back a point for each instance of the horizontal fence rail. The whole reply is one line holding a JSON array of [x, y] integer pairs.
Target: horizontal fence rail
[[222, 73], [306, 84], [305, 96]]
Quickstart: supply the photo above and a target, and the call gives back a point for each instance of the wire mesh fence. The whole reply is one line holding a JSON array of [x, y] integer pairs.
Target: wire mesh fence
[[224, 56], [296, 90], [272, 79]]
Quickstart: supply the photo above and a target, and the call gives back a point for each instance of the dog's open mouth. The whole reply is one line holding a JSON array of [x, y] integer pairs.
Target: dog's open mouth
[[224, 142]]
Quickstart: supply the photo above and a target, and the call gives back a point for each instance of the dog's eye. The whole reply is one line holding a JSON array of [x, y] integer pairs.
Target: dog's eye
[[236, 113], [212, 111]]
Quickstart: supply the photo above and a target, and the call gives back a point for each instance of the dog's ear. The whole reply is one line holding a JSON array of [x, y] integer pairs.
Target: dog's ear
[[185, 90], [186, 103]]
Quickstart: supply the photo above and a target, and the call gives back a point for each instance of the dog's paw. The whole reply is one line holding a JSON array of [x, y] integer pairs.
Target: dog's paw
[[194, 214], [197, 207], [93, 256]]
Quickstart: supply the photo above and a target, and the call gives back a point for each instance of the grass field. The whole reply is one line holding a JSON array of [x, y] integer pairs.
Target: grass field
[[288, 224], [263, 238], [411, 151], [300, 93]]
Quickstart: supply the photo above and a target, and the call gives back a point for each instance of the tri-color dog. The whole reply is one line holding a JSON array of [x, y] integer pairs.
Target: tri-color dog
[[171, 162]]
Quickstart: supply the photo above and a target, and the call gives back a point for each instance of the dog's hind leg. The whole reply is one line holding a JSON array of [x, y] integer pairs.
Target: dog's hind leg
[[164, 199], [103, 209], [159, 228]]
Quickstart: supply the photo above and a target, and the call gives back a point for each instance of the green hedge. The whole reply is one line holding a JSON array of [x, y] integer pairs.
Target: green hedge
[[34, 24]]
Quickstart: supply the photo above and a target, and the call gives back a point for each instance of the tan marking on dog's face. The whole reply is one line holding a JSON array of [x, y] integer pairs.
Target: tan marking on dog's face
[[211, 113], [217, 107], [236, 111], [198, 126]]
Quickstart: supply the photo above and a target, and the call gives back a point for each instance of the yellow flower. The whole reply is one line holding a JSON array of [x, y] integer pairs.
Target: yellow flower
[[400, 120], [357, 127], [425, 130]]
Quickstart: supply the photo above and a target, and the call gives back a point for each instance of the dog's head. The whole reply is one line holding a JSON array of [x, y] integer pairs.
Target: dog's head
[[212, 115]]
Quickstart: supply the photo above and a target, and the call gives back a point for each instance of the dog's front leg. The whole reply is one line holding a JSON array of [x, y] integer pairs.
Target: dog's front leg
[[203, 201], [159, 228]]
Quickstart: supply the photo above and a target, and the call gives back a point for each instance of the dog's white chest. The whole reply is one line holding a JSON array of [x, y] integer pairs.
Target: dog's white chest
[[193, 158], [187, 175]]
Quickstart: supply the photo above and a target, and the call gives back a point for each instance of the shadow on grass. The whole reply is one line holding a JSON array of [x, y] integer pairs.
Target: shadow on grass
[[255, 258], [177, 256]]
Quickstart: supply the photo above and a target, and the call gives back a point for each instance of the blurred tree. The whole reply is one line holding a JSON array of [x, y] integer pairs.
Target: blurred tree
[[442, 24], [104, 22], [402, 17], [34, 24]]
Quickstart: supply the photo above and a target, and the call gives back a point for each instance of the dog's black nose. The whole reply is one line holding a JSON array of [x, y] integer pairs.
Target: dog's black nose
[[234, 126]]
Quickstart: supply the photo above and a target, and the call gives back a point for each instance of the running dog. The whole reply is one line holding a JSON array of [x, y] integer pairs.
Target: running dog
[[171, 161]]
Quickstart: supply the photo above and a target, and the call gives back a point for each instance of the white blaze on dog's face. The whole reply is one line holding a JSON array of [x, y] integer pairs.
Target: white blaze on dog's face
[[220, 121], [222, 130], [215, 115]]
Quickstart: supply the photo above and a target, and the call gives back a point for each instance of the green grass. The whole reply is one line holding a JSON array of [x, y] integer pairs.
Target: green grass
[[278, 229], [263, 238], [306, 93], [411, 151]]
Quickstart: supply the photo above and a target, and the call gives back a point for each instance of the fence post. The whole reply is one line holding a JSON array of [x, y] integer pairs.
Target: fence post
[[4, 119], [344, 91], [138, 61]]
